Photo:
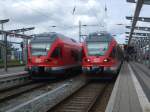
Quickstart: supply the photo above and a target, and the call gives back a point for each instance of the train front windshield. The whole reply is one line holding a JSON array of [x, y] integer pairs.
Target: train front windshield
[[97, 48], [40, 49]]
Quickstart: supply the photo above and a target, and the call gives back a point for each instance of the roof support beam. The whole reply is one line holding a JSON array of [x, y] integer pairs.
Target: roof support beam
[[136, 15], [21, 30], [131, 1], [140, 28], [140, 34], [147, 2], [143, 19], [16, 34]]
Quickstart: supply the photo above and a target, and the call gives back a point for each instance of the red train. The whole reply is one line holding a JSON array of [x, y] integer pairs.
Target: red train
[[101, 54], [54, 55]]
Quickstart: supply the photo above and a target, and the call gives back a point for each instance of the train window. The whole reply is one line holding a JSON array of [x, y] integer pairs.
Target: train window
[[40, 49], [97, 48], [56, 53]]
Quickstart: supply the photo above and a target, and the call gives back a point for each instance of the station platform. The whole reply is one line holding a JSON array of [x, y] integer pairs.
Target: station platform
[[12, 70], [131, 92]]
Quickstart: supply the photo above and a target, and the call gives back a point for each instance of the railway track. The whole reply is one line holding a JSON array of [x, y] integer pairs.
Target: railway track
[[101, 103], [70, 95], [83, 100], [19, 96], [41, 100], [18, 90]]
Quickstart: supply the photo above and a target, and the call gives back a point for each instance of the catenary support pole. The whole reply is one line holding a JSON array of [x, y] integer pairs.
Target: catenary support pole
[[79, 31], [5, 52]]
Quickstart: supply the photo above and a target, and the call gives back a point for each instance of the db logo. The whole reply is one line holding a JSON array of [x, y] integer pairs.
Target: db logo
[[38, 60], [96, 60]]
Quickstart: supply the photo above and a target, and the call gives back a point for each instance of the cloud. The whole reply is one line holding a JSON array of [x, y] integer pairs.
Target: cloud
[[45, 13]]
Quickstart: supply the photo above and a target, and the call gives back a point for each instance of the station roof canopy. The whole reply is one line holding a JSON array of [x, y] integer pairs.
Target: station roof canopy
[[147, 2], [139, 28], [143, 19], [139, 4], [15, 34], [138, 34], [22, 30], [4, 21], [134, 1]]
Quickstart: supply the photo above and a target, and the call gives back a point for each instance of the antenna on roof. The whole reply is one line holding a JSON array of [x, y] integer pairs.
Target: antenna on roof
[[105, 8], [74, 9]]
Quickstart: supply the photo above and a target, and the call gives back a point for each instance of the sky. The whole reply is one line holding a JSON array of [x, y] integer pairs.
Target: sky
[[43, 14]]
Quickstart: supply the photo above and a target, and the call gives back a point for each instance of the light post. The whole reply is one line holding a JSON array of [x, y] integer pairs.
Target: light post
[[4, 50], [2, 24], [79, 31]]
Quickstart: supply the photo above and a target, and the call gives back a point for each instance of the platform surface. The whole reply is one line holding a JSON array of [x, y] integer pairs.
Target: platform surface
[[143, 76], [131, 92], [12, 70]]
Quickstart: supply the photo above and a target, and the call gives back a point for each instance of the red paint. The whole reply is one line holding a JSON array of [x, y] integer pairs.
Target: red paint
[[89, 61]]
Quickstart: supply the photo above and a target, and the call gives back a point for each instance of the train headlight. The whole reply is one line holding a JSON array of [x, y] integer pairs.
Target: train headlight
[[106, 60], [87, 60]]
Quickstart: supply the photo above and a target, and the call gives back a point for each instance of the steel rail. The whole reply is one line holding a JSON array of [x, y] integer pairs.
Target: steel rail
[[83, 100]]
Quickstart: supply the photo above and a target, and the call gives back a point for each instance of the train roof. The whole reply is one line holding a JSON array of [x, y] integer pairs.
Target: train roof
[[49, 37], [99, 36]]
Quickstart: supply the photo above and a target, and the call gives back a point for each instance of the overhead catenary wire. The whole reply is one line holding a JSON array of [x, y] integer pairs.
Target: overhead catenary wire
[[40, 12], [74, 8], [35, 10], [92, 11], [95, 14]]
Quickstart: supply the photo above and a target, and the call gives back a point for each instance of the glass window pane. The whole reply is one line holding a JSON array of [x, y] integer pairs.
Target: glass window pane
[[40, 48], [97, 48]]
